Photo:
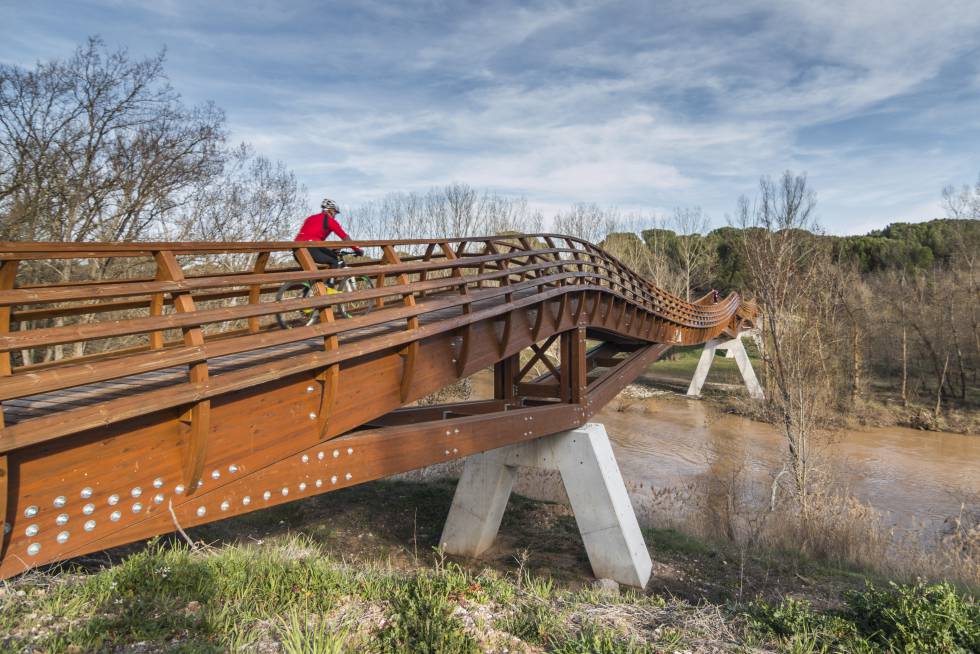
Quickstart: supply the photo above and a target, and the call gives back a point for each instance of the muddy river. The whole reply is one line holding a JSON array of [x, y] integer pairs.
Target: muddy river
[[917, 480]]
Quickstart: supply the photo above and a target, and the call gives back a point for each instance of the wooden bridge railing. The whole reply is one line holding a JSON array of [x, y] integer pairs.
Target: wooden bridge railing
[[71, 332]]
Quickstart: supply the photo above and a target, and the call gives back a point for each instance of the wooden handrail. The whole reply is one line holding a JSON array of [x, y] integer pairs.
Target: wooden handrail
[[219, 314]]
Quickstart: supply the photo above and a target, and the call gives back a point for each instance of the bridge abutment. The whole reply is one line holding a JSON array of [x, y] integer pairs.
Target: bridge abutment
[[733, 348], [595, 488]]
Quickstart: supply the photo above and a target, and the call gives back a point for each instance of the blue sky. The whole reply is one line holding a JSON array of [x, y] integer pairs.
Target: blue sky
[[641, 105]]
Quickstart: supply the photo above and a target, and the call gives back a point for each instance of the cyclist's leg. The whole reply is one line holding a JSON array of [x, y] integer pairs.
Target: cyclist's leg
[[325, 257]]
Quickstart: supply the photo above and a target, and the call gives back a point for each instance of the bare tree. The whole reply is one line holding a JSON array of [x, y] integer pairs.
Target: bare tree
[[587, 221], [454, 211], [963, 202], [253, 199], [693, 252], [98, 147], [789, 271]]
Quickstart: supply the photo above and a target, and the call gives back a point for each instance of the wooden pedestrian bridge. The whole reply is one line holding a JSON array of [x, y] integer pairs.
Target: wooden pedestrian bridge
[[149, 385]]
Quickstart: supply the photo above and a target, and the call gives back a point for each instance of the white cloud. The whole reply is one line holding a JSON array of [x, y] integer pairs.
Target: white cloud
[[625, 104]]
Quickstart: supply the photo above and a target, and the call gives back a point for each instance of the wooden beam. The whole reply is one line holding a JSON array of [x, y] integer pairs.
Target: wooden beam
[[198, 417], [410, 353], [255, 290], [576, 365], [504, 373]]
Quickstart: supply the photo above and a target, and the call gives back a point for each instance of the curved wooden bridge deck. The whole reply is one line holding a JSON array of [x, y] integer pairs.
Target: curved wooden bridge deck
[[157, 388]]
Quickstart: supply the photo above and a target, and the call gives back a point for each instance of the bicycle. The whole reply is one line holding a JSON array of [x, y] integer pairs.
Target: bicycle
[[307, 317]]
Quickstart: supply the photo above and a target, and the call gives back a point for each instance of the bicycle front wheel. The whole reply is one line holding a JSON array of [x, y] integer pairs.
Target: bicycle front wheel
[[296, 317], [356, 307]]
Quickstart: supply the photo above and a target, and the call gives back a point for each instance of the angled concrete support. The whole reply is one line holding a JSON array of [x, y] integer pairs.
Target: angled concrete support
[[732, 348], [594, 486]]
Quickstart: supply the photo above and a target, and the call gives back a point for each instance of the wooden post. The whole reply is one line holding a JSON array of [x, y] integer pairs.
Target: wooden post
[[410, 352], [255, 290], [504, 373], [8, 274], [576, 365], [199, 415], [329, 377]]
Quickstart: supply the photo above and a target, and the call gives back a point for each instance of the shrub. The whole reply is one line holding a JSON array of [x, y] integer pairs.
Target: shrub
[[917, 619]]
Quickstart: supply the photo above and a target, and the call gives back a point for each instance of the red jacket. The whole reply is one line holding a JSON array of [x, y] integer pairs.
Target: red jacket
[[313, 229]]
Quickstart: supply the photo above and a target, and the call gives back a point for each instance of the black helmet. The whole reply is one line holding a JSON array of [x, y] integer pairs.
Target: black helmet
[[328, 205]]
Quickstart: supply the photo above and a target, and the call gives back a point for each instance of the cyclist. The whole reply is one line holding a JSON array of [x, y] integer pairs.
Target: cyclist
[[318, 227]]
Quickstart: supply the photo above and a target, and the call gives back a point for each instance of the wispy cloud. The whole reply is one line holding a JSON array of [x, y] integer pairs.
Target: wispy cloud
[[625, 103]]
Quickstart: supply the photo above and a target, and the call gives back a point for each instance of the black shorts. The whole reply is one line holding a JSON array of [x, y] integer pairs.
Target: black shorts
[[325, 257]]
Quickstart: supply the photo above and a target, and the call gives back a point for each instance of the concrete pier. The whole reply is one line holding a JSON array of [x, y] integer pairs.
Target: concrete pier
[[595, 488], [732, 348]]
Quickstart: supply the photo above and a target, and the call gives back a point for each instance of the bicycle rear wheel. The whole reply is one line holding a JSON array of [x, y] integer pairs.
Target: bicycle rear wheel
[[356, 307], [297, 317]]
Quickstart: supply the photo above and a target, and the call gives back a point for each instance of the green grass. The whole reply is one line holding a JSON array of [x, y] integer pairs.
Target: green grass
[[681, 362], [915, 619], [296, 592]]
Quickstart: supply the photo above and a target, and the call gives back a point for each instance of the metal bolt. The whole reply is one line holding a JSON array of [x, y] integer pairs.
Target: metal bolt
[[215, 474], [59, 501], [34, 548], [246, 500], [115, 516], [201, 511], [348, 476], [31, 530], [350, 450], [137, 507], [285, 491], [179, 489], [333, 480], [157, 483], [233, 468], [63, 537], [302, 487], [30, 511], [136, 492], [305, 459], [266, 495], [158, 499], [225, 505], [320, 455], [336, 453], [90, 525], [61, 519], [312, 416], [86, 493], [319, 483], [310, 389], [88, 509]]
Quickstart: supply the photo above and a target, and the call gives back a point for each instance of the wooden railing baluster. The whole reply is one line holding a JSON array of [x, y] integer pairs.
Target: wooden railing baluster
[[198, 417]]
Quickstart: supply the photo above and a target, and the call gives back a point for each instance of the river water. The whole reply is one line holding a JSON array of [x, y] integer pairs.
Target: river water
[[916, 480]]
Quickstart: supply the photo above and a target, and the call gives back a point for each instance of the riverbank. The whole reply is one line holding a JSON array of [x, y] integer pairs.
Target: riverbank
[[880, 407], [357, 570]]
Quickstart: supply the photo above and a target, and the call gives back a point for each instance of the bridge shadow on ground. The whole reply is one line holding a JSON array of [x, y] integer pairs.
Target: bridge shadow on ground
[[398, 523]]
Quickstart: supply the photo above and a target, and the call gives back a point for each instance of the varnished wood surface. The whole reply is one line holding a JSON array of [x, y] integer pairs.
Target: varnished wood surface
[[216, 406]]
